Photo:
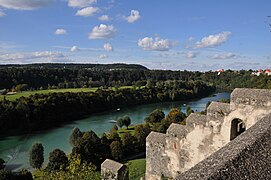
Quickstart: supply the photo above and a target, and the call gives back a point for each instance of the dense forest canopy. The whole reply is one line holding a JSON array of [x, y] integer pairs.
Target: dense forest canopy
[[41, 110], [57, 76], [148, 86]]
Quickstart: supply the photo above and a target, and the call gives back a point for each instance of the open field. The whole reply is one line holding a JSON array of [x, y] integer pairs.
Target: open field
[[137, 168], [15, 96], [131, 130]]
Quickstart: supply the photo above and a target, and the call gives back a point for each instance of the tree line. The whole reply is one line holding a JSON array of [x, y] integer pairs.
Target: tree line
[[46, 110], [55, 76]]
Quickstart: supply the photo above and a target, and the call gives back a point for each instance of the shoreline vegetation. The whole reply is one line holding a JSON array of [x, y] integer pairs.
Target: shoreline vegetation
[[42, 111]]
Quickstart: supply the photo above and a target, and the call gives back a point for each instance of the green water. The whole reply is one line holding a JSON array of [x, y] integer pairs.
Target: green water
[[14, 149]]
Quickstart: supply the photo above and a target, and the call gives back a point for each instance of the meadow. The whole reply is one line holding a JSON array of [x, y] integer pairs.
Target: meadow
[[12, 97]]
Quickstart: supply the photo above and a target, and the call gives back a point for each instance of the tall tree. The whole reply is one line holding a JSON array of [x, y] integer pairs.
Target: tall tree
[[120, 122], [155, 116], [75, 136], [126, 121], [36, 155], [57, 160], [116, 150], [2, 164]]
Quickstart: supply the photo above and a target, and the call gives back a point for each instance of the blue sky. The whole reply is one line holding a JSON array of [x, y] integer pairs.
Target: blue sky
[[160, 34]]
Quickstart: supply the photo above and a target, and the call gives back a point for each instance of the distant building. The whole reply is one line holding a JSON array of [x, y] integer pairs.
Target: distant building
[[260, 71], [219, 71], [268, 72]]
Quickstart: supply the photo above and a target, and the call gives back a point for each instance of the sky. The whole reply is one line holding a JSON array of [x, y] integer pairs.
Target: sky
[[198, 35]]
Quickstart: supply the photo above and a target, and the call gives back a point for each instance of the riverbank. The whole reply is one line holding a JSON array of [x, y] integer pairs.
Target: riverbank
[[44, 111], [18, 146]]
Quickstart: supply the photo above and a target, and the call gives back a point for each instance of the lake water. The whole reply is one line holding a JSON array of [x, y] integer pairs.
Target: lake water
[[14, 149]]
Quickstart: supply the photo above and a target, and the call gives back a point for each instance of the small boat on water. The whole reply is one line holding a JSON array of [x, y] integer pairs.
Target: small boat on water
[[112, 121], [118, 109]]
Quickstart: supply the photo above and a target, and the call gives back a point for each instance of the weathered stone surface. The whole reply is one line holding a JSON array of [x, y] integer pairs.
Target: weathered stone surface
[[218, 109], [247, 157], [196, 119], [112, 170], [155, 137], [157, 160], [183, 147], [177, 130], [253, 97]]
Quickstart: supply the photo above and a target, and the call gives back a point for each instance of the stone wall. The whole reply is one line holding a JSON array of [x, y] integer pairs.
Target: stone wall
[[182, 147], [112, 170], [247, 157]]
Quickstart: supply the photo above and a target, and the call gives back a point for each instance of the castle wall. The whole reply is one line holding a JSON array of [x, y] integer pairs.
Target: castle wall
[[185, 146], [247, 157]]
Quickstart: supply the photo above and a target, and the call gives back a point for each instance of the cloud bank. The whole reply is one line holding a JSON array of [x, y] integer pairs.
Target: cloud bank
[[157, 44], [102, 32], [80, 3], [24, 4], [87, 12], [213, 40]]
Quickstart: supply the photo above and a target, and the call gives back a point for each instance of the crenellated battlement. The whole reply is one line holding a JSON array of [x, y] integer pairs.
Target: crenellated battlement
[[185, 146]]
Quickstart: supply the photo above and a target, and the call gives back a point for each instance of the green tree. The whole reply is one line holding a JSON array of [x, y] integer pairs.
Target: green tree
[[5, 174], [76, 170], [36, 155], [189, 110], [115, 127], [24, 174], [155, 116], [75, 136], [127, 140], [141, 132], [2, 163], [57, 160], [126, 121], [116, 150], [120, 122], [113, 135], [175, 116]]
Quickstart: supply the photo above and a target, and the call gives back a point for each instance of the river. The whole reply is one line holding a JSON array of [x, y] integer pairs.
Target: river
[[14, 149]]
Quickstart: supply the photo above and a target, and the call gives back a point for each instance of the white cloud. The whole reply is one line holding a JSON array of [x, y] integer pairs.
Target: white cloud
[[108, 47], [74, 49], [213, 40], [80, 3], [158, 44], [22, 57], [61, 31], [102, 32], [104, 18], [24, 4], [224, 56], [134, 16], [87, 12], [2, 14], [103, 56], [191, 54]]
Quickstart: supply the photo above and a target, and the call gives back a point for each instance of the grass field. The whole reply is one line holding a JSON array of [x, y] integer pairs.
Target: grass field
[[137, 168], [29, 93], [131, 130]]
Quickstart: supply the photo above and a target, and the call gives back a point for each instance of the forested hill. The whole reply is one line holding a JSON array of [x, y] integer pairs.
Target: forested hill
[[51, 76], [116, 66]]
